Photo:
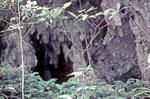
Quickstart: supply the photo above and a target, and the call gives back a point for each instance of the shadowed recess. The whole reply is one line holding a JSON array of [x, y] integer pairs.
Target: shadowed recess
[[44, 68]]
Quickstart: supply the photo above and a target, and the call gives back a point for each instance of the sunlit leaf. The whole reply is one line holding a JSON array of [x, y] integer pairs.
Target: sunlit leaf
[[91, 9], [79, 73], [65, 97], [66, 5], [84, 17], [99, 13], [72, 14], [110, 12], [83, 10], [148, 58], [118, 6]]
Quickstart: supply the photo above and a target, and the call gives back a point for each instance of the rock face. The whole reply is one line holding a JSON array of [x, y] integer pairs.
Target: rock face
[[117, 56], [64, 46]]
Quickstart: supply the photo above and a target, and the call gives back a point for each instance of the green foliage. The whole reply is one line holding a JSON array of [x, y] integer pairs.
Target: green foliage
[[34, 13], [74, 88], [3, 3]]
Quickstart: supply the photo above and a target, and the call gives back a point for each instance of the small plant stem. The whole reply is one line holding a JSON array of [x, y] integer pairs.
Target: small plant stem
[[88, 53], [21, 50]]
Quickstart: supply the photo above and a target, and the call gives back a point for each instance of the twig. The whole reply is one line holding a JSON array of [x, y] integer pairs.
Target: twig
[[88, 53], [94, 38], [90, 43], [28, 31]]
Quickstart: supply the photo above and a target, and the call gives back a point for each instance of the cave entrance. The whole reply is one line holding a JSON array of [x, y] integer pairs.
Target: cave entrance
[[44, 68], [3, 43]]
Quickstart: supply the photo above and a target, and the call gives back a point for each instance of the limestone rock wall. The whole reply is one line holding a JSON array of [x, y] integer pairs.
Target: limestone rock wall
[[112, 50]]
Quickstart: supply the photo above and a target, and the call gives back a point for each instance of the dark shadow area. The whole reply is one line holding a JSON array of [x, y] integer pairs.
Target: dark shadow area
[[64, 68], [44, 68], [134, 72], [3, 44]]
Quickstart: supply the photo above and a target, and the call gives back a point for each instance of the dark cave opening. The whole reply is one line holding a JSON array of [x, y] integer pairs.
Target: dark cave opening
[[3, 43], [44, 68], [64, 68]]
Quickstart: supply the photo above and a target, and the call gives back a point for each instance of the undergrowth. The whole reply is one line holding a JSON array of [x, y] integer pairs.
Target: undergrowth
[[37, 88]]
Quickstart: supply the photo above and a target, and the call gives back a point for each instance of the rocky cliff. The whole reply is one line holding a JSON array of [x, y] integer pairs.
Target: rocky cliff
[[114, 48]]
